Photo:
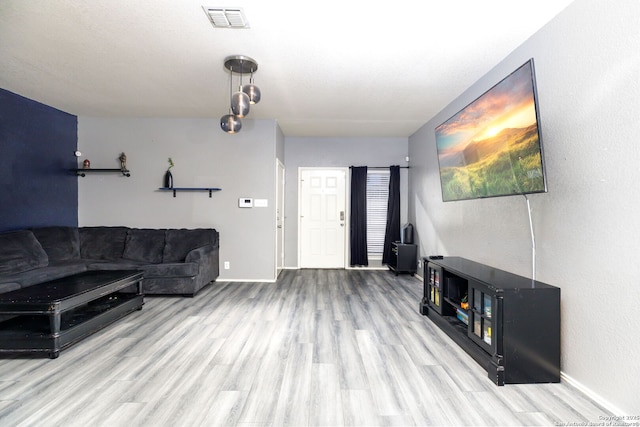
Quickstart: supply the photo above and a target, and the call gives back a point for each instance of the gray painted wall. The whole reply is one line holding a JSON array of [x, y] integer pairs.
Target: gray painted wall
[[586, 227], [335, 152], [243, 165]]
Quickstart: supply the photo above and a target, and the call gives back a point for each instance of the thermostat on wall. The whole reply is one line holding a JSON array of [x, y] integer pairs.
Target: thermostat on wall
[[244, 202]]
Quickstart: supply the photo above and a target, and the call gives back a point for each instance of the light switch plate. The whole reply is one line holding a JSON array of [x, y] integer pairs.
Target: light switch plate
[[245, 202]]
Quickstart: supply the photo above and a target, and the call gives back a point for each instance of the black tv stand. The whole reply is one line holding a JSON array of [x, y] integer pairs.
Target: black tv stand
[[508, 324]]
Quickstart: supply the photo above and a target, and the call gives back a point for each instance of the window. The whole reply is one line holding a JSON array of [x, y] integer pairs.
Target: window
[[377, 199]]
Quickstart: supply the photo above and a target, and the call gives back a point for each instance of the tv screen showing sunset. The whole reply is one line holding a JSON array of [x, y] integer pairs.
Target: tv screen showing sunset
[[492, 146]]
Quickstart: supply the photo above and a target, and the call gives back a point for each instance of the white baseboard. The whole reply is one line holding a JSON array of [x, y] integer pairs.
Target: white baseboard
[[376, 268], [592, 395]]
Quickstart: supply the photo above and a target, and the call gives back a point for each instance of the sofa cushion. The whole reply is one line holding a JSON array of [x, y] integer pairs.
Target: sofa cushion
[[20, 251], [179, 242], [60, 243], [144, 245], [118, 264], [49, 272], [182, 269], [102, 242]]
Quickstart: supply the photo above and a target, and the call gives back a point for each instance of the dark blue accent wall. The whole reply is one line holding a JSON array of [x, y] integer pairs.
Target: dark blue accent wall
[[37, 143]]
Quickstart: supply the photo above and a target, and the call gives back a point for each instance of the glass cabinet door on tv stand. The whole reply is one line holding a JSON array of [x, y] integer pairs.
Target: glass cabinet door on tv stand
[[483, 317], [433, 282]]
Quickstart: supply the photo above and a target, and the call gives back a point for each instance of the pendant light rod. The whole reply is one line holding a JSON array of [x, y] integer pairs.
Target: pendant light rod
[[230, 87]]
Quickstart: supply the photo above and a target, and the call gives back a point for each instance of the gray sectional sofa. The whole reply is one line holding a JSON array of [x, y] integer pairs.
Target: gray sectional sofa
[[174, 261]]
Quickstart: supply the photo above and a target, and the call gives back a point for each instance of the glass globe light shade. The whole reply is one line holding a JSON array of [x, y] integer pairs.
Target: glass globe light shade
[[253, 92], [230, 123], [240, 104]]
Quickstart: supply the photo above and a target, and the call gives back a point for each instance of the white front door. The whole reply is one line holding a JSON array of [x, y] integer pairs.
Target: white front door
[[322, 227]]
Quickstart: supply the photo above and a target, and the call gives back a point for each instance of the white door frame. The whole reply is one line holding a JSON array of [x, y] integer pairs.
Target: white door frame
[[280, 218], [347, 209]]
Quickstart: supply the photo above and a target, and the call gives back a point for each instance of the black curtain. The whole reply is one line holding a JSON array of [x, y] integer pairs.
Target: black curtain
[[358, 223], [392, 233]]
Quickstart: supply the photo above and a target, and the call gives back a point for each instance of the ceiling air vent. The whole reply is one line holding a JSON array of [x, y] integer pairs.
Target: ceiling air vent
[[226, 17]]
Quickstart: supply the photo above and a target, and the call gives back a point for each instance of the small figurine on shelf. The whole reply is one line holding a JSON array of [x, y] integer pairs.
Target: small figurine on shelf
[[168, 178], [465, 303], [123, 162], [86, 164]]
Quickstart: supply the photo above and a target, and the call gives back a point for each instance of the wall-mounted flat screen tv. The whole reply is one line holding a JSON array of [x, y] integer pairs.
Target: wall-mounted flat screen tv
[[492, 147]]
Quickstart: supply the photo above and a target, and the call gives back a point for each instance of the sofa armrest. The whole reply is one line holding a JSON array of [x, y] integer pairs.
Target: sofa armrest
[[207, 258]]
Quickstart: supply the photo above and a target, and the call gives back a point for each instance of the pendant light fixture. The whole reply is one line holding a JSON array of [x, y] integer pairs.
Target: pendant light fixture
[[240, 103], [252, 91], [246, 95], [230, 123]]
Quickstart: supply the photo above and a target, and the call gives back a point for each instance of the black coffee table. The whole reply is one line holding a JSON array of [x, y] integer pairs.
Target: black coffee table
[[48, 317]]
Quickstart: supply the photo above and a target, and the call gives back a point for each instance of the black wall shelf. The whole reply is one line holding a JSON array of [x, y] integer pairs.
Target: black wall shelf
[[176, 189], [83, 172]]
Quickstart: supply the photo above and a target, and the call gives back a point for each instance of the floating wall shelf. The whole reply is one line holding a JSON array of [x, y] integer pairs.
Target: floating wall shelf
[[83, 172], [176, 189]]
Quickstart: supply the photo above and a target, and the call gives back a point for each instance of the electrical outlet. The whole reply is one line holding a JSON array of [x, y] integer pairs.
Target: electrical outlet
[[419, 264], [226, 265]]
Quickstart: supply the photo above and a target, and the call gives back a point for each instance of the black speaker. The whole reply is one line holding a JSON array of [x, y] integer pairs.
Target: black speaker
[[406, 234]]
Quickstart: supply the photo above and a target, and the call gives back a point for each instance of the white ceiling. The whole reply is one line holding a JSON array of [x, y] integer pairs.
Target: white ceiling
[[326, 68]]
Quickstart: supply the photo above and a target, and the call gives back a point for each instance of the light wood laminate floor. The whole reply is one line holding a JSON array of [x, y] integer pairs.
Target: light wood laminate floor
[[316, 348]]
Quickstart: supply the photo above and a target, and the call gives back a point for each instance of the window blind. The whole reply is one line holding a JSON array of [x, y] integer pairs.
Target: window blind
[[377, 198]]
